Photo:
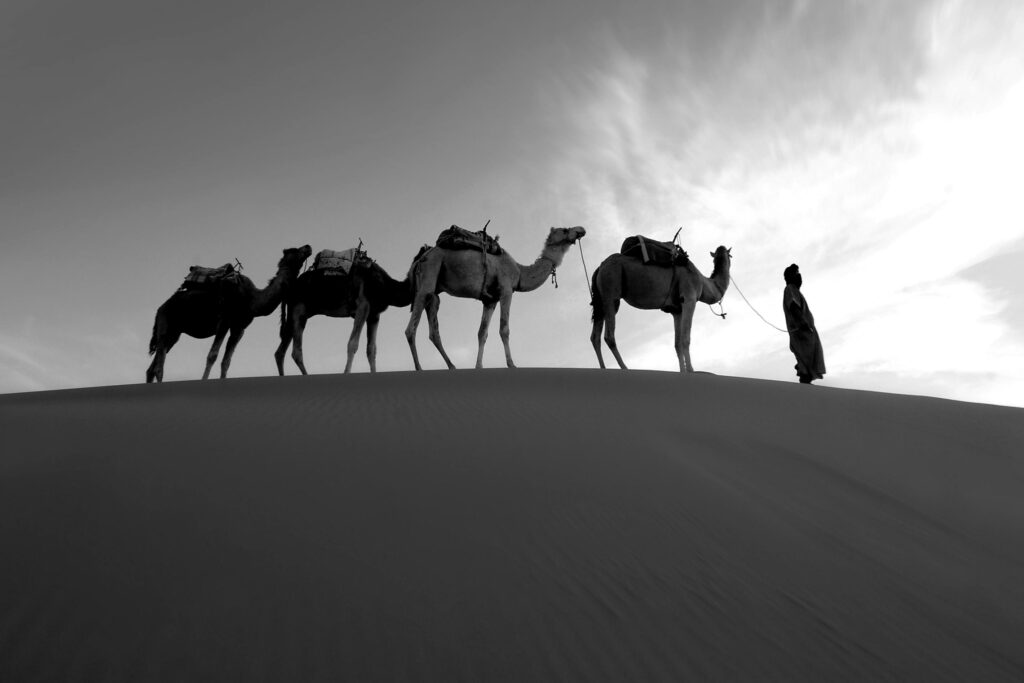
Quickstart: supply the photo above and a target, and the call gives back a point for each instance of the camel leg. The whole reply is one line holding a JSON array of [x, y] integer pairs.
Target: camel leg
[[169, 341], [677, 324], [418, 305], [358, 320], [151, 370], [609, 333], [164, 340], [155, 373], [371, 339], [683, 322], [595, 336], [503, 327], [433, 304], [229, 351], [156, 347], [297, 330], [211, 357], [282, 348], [291, 333], [481, 335]]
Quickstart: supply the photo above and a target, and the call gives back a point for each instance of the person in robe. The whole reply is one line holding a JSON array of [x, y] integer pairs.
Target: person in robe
[[803, 336]]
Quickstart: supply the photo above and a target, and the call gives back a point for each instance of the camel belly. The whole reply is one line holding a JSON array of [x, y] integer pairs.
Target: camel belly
[[345, 311], [656, 301], [196, 314], [485, 290]]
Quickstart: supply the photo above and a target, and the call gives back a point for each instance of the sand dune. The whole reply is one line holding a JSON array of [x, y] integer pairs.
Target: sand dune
[[496, 525]]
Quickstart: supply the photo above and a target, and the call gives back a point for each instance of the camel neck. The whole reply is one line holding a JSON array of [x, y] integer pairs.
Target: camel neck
[[533, 276], [399, 293], [266, 300], [715, 286]]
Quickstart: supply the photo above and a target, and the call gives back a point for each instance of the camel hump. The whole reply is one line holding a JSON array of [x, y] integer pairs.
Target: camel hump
[[653, 252], [457, 238], [339, 262]]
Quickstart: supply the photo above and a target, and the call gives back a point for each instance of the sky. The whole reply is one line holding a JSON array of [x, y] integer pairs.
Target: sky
[[876, 144]]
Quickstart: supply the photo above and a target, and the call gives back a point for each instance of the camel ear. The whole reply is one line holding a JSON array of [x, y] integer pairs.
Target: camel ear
[[712, 254]]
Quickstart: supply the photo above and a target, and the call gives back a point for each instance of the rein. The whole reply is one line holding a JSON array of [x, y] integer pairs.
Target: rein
[[720, 306], [752, 307], [586, 275]]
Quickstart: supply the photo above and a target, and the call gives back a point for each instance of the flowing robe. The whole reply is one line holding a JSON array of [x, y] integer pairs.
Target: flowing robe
[[803, 336]]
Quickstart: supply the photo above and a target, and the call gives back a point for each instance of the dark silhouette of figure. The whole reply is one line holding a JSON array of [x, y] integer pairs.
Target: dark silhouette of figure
[[219, 311], [362, 294], [803, 337]]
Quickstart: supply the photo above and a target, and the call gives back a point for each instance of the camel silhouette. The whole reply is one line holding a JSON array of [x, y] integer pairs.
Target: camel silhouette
[[223, 309], [363, 294], [673, 289], [489, 278]]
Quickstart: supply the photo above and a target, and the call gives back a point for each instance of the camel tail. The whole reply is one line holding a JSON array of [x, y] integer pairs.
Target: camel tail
[[596, 304]]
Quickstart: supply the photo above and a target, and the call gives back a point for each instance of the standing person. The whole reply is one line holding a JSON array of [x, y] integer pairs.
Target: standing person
[[803, 337]]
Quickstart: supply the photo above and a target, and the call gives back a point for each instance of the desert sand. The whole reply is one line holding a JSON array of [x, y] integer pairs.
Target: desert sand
[[497, 525]]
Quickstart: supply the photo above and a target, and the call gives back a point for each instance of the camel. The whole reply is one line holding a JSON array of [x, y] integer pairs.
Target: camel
[[362, 294], [217, 312], [488, 278], [673, 289]]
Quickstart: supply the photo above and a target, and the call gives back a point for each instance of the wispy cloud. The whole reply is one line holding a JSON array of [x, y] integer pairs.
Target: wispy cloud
[[882, 159]]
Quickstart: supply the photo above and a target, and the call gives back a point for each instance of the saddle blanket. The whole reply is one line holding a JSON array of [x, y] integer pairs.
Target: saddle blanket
[[653, 252], [338, 262], [459, 238], [199, 276]]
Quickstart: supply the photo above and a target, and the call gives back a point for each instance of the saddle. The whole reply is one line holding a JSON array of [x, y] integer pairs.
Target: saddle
[[332, 262], [652, 252], [200, 277], [457, 238]]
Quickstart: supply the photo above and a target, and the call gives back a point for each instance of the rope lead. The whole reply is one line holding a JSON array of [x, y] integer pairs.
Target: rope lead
[[586, 275], [752, 307]]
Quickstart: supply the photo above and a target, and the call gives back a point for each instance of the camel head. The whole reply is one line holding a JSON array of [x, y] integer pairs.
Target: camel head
[[564, 237], [293, 259], [722, 256]]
